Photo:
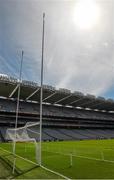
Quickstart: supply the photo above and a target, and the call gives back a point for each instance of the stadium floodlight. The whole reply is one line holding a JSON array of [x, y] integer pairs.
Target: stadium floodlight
[[90, 96], [29, 83], [47, 87], [65, 91], [77, 93]]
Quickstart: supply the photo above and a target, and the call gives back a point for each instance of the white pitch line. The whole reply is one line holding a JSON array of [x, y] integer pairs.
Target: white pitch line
[[85, 157], [54, 172], [109, 149], [20, 157]]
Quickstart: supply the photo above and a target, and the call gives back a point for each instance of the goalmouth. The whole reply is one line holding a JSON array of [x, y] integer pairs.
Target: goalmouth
[[25, 137]]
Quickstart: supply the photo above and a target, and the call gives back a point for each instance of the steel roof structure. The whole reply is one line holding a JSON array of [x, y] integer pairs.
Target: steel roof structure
[[31, 91]]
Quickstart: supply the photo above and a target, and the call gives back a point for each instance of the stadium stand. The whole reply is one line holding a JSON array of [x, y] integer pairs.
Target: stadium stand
[[66, 115]]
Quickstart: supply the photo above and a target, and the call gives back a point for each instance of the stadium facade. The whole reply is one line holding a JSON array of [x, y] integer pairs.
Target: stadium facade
[[66, 115]]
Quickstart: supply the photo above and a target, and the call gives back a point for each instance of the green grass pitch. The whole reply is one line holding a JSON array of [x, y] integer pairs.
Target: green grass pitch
[[91, 159]]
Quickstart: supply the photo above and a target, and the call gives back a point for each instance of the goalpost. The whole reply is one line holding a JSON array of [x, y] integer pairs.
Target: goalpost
[[28, 134], [21, 134]]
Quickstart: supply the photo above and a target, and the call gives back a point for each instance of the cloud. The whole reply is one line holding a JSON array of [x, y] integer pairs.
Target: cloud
[[74, 59]]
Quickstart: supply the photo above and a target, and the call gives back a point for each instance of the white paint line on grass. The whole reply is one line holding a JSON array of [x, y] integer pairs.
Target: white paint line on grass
[[109, 149], [54, 172], [85, 157], [20, 157]]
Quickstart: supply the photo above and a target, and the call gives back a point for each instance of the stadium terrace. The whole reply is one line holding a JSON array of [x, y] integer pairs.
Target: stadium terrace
[[66, 115], [30, 91], [76, 128]]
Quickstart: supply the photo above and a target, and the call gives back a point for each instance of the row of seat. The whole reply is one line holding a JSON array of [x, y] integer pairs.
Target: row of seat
[[50, 110], [53, 134]]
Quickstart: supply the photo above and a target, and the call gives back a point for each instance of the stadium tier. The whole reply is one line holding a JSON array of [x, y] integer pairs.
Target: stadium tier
[[31, 91], [66, 115]]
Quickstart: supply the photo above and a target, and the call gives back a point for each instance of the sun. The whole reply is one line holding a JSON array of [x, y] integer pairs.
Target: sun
[[86, 14]]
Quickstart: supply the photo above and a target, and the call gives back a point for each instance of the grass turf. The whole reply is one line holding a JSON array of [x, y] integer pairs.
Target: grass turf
[[93, 159]]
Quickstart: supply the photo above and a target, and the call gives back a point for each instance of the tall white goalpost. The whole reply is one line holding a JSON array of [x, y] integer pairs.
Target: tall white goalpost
[[41, 90], [25, 133], [17, 112]]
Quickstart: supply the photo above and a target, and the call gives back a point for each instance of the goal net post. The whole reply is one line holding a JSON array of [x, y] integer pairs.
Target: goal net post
[[25, 140]]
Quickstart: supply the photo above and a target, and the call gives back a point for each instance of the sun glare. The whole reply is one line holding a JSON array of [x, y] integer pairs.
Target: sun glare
[[86, 14]]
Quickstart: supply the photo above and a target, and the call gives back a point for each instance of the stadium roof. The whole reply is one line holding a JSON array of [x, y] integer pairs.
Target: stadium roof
[[31, 91]]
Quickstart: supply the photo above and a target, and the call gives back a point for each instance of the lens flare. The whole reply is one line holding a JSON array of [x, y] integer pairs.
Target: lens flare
[[86, 14]]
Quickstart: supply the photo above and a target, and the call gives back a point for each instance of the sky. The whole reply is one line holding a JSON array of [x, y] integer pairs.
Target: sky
[[76, 57]]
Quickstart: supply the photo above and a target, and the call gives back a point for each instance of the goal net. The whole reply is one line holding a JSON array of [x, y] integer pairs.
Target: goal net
[[26, 140]]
